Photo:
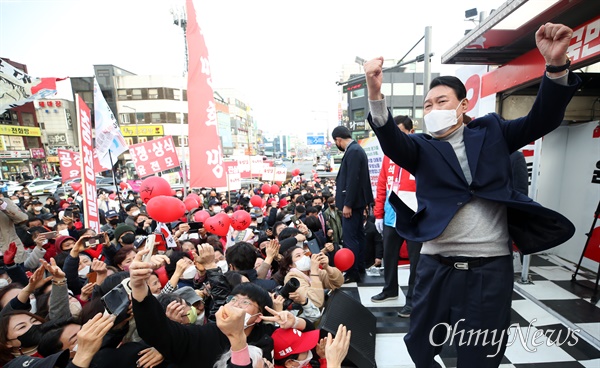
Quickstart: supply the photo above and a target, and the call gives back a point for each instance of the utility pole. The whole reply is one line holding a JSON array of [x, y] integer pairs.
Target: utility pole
[[180, 20], [427, 65]]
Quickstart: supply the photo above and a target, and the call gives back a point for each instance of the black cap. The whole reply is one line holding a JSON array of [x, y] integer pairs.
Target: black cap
[[58, 360], [341, 132], [111, 213]]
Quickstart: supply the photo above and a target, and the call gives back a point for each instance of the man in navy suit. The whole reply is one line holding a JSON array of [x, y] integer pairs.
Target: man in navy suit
[[468, 208], [352, 194]]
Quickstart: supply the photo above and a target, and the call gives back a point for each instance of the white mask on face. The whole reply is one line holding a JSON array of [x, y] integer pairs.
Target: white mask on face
[[135, 213], [37, 208], [439, 122], [303, 264], [84, 271], [223, 265], [16, 201], [52, 224], [304, 363], [189, 273], [64, 232], [45, 241], [247, 318], [216, 209]]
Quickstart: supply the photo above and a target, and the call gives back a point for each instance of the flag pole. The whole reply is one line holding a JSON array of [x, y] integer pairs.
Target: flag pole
[[112, 171]]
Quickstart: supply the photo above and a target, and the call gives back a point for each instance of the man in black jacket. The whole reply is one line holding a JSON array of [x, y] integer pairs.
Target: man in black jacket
[[353, 193], [200, 346]]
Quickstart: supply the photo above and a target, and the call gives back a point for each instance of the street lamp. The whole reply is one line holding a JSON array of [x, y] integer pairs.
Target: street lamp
[[137, 133]]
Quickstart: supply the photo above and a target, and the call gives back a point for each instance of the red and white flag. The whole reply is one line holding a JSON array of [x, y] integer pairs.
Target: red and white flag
[[154, 156], [17, 88], [206, 159], [90, 200]]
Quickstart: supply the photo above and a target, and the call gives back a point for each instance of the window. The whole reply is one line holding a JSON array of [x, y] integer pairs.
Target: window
[[136, 94], [152, 93], [129, 141], [419, 90], [359, 115], [357, 93], [177, 94], [418, 113], [142, 139], [407, 112], [386, 89], [32, 142], [140, 117], [27, 119], [403, 89], [125, 119], [182, 141], [122, 94], [155, 117]]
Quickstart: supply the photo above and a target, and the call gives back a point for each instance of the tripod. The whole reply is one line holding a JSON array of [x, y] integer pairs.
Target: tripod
[[595, 296]]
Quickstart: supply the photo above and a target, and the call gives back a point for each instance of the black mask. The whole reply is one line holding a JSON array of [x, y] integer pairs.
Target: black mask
[[32, 337], [319, 208], [114, 221], [127, 239]]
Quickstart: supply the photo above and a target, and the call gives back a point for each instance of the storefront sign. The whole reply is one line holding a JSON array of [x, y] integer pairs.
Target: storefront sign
[[59, 139], [37, 153], [154, 156], [143, 130], [16, 143], [15, 154], [20, 130]]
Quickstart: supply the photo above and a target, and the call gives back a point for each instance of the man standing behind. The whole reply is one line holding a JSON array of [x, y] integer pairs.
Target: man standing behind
[[392, 178], [468, 208], [353, 193]]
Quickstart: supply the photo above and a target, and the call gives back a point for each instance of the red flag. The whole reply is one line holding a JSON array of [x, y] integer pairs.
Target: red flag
[[90, 200], [154, 156], [206, 159]]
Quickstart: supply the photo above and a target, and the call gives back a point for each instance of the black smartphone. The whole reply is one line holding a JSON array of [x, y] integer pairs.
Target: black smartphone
[[116, 300], [195, 226], [94, 241]]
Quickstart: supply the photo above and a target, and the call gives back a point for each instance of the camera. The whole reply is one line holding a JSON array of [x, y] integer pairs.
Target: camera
[[285, 291]]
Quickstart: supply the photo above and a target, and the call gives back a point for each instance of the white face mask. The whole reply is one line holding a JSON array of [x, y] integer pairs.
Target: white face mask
[[84, 271], [304, 363], [135, 213], [439, 122], [259, 220], [38, 208], [16, 201], [223, 265], [303, 264], [247, 318], [45, 241], [64, 232], [52, 224], [189, 273], [216, 209]]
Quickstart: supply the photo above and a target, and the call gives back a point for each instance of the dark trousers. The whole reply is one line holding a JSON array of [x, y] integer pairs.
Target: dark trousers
[[466, 301], [354, 239], [392, 242]]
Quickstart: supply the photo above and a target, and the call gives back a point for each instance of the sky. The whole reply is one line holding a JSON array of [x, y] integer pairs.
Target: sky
[[283, 56]]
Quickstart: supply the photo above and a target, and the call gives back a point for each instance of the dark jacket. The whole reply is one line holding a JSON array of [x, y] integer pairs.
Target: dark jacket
[[442, 188], [353, 184]]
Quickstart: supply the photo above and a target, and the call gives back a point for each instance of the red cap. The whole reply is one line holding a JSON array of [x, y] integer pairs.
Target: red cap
[[291, 341], [283, 202]]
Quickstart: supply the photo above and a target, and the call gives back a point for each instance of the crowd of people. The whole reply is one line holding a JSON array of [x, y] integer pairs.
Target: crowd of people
[[252, 298]]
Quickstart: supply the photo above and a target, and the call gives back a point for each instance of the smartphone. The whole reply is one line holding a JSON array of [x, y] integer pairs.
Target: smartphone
[[160, 243], [50, 234], [92, 277], [116, 300], [68, 213], [195, 226], [94, 241], [149, 245]]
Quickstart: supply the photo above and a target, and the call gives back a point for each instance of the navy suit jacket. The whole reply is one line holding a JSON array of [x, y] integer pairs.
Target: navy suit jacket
[[353, 183], [441, 185]]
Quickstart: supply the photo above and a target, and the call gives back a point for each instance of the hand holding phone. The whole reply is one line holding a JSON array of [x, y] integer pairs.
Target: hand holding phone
[[93, 241], [49, 234]]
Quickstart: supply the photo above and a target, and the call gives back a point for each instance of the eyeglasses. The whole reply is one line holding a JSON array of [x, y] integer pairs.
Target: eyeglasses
[[239, 302]]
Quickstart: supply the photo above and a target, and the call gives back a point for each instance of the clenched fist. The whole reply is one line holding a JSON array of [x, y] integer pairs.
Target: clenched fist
[[374, 75]]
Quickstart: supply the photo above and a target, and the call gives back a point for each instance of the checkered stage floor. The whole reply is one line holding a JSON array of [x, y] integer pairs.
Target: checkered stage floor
[[552, 299]]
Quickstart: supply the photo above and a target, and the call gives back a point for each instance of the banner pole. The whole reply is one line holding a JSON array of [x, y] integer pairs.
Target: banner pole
[[112, 171]]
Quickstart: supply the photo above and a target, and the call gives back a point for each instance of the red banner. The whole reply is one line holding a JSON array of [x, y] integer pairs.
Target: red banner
[[206, 164], [90, 200], [70, 164], [154, 156]]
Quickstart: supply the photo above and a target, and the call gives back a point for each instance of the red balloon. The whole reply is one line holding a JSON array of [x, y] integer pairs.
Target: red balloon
[[295, 172], [154, 186], [112, 196], [76, 186], [201, 216], [240, 220], [274, 189], [343, 259], [190, 204], [256, 201], [165, 208], [123, 185], [195, 196], [266, 188], [218, 224]]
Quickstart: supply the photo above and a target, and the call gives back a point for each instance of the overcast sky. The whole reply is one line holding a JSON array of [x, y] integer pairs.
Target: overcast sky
[[285, 56]]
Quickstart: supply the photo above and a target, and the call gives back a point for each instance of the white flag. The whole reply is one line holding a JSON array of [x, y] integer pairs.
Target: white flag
[[18, 88], [108, 134]]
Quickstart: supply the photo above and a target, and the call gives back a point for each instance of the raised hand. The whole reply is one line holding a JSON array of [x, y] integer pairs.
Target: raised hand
[[336, 349], [89, 338], [176, 312], [53, 269], [553, 40], [149, 358], [374, 75]]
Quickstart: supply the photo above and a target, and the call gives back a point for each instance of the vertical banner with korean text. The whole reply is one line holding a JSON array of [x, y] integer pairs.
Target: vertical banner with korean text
[[70, 164], [88, 182], [206, 159], [154, 156]]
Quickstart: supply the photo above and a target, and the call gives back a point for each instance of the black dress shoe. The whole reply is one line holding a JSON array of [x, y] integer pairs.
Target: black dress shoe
[[382, 297]]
